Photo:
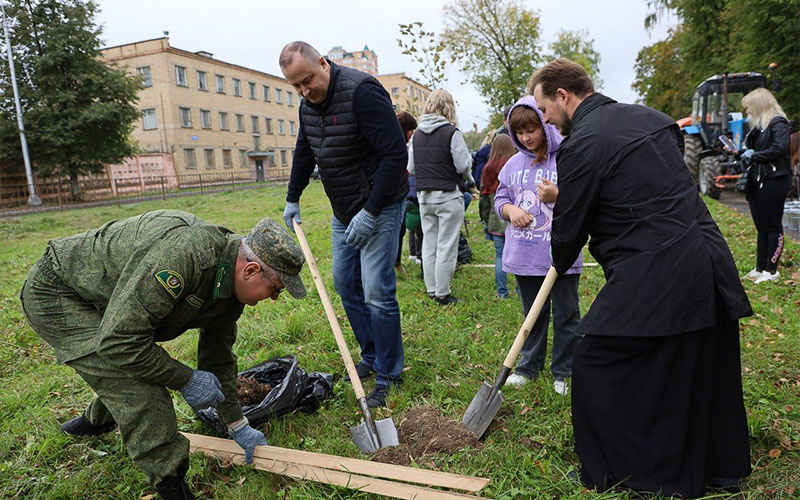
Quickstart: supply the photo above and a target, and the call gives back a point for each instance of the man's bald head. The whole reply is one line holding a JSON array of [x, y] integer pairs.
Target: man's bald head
[[307, 51]]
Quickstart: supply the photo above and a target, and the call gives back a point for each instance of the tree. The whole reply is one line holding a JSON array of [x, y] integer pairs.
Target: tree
[[78, 112], [422, 47], [656, 67], [578, 47], [497, 43]]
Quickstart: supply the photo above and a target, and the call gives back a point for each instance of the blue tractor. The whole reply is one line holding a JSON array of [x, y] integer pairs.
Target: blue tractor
[[716, 111]]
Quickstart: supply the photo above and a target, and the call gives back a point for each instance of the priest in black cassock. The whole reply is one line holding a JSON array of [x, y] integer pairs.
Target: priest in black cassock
[[656, 384]]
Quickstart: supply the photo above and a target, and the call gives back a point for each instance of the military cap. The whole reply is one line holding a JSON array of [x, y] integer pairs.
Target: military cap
[[273, 245]]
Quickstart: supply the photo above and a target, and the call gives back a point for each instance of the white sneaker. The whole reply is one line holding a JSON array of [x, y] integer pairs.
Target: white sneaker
[[753, 275], [767, 276], [517, 380], [561, 387]]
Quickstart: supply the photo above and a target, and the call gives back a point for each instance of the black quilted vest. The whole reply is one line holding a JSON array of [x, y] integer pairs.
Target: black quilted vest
[[347, 163], [433, 161]]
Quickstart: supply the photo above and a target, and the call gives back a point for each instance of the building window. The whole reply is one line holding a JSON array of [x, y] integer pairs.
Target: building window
[[289, 98], [283, 157], [149, 119], [266, 92], [240, 123], [281, 127], [292, 128], [223, 120], [256, 143], [209, 154], [202, 80], [227, 158], [220, 84], [180, 76], [268, 125], [188, 155], [243, 157], [278, 96], [186, 117], [254, 124], [395, 92], [237, 87], [252, 88], [205, 118], [272, 158], [146, 75]]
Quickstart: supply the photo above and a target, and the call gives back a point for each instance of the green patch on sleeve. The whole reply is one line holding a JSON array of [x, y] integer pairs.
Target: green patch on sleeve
[[172, 282], [195, 301]]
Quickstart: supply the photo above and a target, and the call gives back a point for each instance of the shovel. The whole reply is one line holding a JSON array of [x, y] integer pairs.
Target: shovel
[[369, 435], [487, 401]]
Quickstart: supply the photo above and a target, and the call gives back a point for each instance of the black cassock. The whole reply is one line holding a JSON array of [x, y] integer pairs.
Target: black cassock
[[657, 399]]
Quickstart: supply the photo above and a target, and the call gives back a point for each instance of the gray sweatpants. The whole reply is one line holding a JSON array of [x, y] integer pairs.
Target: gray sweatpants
[[441, 226]]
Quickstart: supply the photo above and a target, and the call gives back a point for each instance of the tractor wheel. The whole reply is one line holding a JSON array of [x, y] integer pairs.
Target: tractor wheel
[[691, 155], [708, 172]]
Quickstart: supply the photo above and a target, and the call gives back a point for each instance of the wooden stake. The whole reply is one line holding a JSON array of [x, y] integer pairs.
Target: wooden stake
[[335, 467]]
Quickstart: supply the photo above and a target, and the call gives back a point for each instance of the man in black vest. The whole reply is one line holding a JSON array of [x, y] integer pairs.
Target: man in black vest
[[657, 392], [349, 129]]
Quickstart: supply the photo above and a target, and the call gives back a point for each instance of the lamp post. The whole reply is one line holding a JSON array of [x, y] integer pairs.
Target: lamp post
[[33, 198]]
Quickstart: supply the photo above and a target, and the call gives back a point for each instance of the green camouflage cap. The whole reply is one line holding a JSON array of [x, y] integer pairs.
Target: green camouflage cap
[[271, 243]]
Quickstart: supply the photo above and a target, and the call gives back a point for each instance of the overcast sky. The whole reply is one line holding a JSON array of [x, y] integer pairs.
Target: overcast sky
[[251, 33]]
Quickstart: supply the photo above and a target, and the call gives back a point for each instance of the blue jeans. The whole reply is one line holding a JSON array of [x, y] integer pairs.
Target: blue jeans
[[499, 274], [365, 281]]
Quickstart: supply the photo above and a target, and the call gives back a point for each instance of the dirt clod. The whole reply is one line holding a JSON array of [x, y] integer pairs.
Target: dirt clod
[[424, 432], [250, 391]]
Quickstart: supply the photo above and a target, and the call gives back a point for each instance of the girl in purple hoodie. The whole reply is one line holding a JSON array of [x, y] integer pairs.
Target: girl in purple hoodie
[[527, 247]]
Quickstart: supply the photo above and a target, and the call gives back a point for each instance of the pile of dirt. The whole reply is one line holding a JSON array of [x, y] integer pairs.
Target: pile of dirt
[[250, 391], [424, 432]]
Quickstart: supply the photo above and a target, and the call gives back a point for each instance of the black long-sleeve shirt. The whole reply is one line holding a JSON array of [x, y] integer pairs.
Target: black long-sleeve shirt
[[378, 124]]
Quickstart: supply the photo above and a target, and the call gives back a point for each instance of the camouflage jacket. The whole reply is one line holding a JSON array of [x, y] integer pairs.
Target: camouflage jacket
[[153, 277]]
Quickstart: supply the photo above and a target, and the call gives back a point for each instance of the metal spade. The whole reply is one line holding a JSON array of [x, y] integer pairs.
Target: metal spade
[[487, 401], [369, 435]]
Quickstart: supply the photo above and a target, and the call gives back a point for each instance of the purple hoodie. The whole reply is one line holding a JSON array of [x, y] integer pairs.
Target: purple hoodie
[[527, 250]]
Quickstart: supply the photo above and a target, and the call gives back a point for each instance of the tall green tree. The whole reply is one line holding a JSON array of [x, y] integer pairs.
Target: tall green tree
[[656, 68], [497, 43], [577, 46], [78, 111]]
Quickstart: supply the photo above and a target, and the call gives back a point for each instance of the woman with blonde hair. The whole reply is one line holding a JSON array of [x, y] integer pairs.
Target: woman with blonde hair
[[769, 177], [439, 158]]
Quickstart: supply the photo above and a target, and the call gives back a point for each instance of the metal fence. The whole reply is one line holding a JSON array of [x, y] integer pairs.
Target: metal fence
[[58, 194]]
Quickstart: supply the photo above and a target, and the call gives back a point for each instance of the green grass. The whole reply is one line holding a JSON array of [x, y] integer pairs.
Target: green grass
[[449, 351]]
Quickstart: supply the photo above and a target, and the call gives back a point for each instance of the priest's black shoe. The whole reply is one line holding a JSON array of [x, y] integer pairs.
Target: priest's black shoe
[[378, 396], [364, 372], [80, 426]]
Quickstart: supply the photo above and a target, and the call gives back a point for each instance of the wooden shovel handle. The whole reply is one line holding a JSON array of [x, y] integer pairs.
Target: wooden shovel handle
[[531, 318], [326, 304]]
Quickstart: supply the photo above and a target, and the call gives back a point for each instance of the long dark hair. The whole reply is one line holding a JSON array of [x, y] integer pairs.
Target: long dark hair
[[502, 150]]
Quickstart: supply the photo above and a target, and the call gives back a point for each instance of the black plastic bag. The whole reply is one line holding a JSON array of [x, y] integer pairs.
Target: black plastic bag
[[292, 389]]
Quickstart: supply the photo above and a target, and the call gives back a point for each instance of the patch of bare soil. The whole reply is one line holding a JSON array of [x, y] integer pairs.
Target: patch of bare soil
[[250, 391], [424, 432]]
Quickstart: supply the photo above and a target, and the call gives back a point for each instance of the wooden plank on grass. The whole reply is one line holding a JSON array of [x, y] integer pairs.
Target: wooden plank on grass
[[343, 464]]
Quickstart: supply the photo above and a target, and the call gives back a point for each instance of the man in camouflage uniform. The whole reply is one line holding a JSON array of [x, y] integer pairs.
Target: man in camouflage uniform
[[104, 298]]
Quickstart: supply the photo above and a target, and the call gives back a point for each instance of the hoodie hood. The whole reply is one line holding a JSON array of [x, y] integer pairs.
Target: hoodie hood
[[429, 123], [551, 135]]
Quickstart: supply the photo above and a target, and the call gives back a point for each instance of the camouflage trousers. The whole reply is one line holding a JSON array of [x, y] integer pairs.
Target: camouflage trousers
[[143, 411]]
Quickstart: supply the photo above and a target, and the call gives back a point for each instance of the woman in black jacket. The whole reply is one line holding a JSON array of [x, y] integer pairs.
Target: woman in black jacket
[[769, 178]]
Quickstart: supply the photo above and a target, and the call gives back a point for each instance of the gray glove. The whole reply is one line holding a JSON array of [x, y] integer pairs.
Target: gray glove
[[203, 390], [247, 437], [292, 210], [748, 154], [360, 229]]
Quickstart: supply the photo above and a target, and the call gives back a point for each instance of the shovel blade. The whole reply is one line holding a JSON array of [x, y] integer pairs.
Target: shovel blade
[[385, 435], [482, 410]]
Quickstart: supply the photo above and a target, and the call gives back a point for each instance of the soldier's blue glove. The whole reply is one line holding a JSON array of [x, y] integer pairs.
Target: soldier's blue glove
[[247, 437], [360, 229], [203, 390], [748, 154], [292, 210]]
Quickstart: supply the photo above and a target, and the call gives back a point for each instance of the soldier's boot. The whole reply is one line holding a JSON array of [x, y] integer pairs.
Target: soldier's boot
[[80, 426], [175, 487]]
